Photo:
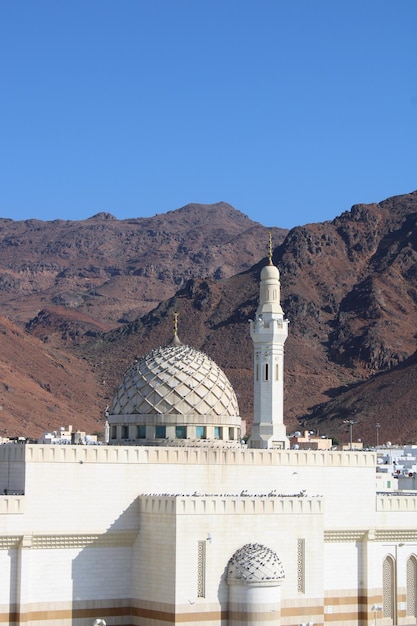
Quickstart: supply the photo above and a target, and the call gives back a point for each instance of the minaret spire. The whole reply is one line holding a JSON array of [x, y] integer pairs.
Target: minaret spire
[[269, 331], [270, 248]]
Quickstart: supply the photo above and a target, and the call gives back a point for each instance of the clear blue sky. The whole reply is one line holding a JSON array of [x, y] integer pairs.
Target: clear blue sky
[[290, 110]]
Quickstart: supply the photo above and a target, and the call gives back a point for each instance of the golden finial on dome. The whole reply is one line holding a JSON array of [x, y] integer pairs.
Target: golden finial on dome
[[175, 339], [270, 248]]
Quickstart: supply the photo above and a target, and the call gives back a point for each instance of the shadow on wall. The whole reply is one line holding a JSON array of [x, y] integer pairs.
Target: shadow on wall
[[101, 573]]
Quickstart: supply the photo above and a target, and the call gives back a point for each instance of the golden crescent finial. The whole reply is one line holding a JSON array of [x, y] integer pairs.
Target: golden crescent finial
[[270, 248]]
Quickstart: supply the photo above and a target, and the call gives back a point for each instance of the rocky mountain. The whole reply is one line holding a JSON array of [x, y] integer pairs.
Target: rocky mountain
[[349, 289], [68, 282], [115, 270], [42, 388]]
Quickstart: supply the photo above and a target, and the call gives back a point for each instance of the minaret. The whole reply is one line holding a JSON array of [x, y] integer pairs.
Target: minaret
[[269, 331]]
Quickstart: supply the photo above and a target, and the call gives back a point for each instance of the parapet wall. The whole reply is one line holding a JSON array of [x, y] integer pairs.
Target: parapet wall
[[394, 503], [230, 505], [188, 456], [12, 505]]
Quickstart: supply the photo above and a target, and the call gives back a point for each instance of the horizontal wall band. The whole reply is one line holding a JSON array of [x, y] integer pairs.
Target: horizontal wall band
[[393, 535], [62, 542], [348, 610], [127, 538]]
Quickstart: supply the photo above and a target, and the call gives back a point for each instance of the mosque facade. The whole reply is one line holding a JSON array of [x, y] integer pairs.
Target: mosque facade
[[175, 521]]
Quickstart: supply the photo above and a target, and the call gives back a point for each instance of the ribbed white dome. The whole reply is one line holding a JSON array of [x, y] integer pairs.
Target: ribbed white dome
[[175, 379]]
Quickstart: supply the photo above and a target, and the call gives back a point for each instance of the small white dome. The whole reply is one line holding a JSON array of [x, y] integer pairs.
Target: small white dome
[[269, 272], [255, 562]]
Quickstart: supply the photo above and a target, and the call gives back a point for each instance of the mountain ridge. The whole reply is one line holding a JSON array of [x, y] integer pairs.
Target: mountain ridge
[[349, 288]]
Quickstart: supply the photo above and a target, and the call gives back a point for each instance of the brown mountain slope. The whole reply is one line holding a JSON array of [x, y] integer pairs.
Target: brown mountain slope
[[43, 388], [213, 317], [114, 270], [388, 399], [348, 288], [351, 283]]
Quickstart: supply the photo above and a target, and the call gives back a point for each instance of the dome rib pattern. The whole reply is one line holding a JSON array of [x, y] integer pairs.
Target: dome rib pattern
[[175, 380], [255, 562]]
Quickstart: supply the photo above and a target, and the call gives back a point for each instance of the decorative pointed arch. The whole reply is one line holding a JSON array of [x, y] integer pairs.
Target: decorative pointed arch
[[388, 587], [412, 585]]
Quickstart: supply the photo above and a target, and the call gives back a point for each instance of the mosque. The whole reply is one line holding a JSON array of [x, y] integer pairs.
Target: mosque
[[176, 521]]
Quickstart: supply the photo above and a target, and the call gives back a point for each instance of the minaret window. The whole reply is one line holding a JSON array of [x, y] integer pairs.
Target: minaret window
[[266, 371], [125, 432], [200, 432], [257, 372], [276, 371], [141, 431]]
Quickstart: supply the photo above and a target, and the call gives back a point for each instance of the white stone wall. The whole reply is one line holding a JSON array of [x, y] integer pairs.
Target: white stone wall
[[224, 524], [73, 487], [96, 538]]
